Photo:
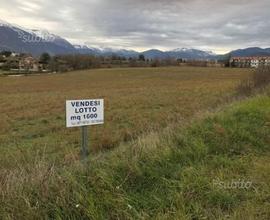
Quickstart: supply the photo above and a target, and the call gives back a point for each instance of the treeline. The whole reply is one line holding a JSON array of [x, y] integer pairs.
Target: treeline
[[79, 62], [64, 63]]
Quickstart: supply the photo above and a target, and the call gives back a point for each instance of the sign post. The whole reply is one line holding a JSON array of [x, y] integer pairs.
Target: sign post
[[81, 113], [85, 151]]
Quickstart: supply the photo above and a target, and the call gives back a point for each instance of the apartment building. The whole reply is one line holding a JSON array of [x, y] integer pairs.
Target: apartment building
[[249, 62]]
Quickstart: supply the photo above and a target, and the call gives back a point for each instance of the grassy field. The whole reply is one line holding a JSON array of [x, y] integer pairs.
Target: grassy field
[[136, 101], [181, 172], [159, 155]]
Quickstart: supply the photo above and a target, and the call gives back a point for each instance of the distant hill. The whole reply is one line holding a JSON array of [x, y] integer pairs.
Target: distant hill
[[149, 54], [18, 39], [155, 54], [252, 51], [189, 53]]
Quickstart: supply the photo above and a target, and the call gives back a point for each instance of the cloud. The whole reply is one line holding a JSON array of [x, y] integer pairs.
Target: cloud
[[166, 24]]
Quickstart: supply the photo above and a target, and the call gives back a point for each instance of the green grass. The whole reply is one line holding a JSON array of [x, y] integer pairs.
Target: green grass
[[170, 174]]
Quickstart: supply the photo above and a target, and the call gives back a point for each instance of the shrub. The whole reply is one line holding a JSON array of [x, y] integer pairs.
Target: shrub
[[261, 77], [259, 80]]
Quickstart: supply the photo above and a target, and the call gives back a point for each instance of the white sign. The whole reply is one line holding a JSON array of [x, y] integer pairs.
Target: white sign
[[84, 112]]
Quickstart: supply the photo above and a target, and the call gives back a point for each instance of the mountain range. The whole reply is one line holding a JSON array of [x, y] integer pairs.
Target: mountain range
[[18, 39]]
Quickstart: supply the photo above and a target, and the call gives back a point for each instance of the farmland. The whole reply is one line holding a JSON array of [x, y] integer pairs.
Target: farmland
[[157, 154], [136, 101]]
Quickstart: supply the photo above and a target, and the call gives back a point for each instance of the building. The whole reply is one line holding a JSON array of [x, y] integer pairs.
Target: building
[[250, 62], [21, 63], [28, 63]]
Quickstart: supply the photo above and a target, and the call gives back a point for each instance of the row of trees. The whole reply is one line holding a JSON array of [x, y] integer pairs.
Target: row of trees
[[63, 63]]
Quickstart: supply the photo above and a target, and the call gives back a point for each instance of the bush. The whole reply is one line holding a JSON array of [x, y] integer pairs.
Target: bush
[[261, 77], [259, 80]]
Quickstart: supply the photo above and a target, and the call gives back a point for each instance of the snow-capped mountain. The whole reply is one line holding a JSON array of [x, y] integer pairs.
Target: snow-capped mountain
[[18, 39], [119, 52], [84, 49], [181, 49], [104, 51], [36, 42], [47, 36], [190, 53], [184, 53]]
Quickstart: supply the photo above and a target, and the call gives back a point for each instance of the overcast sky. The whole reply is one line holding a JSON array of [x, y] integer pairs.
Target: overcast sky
[[217, 25]]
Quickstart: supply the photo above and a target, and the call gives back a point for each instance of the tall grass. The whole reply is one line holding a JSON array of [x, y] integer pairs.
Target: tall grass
[[162, 175], [258, 80], [261, 78]]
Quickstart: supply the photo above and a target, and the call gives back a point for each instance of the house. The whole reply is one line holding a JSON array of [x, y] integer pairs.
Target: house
[[22, 63], [29, 64], [250, 62]]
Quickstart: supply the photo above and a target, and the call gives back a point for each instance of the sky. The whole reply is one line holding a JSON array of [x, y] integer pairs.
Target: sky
[[216, 25]]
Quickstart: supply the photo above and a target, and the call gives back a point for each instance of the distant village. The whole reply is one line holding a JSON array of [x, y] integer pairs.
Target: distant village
[[22, 63], [26, 63]]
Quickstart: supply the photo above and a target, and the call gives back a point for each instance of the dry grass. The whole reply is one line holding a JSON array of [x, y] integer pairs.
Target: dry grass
[[168, 174], [261, 77], [137, 100], [258, 80], [163, 174]]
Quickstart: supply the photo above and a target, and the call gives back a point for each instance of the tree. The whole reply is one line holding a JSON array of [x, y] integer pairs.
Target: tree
[[141, 57], [6, 53], [227, 60], [155, 63], [45, 58]]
